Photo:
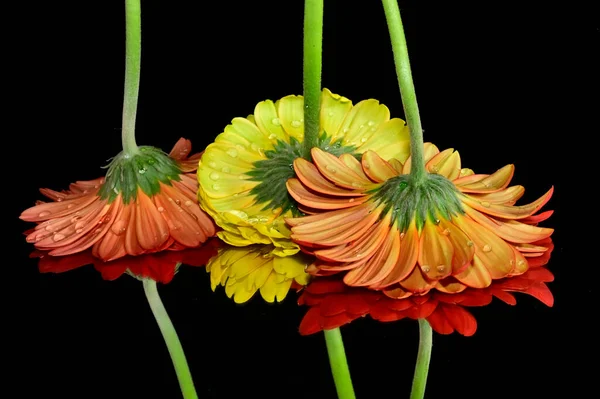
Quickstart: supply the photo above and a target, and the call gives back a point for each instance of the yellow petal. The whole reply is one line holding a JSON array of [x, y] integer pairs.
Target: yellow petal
[[269, 123], [391, 140], [291, 115], [334, 109]]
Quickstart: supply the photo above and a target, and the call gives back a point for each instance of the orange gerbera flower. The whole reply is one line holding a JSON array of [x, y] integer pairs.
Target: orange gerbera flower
[[333, 303], [146, 203], [454, 230]]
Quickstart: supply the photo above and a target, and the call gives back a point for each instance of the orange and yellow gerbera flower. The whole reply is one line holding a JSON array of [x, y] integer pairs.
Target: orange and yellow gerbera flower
[[243, 173], [146, 203], [244, 271], [454, 230]]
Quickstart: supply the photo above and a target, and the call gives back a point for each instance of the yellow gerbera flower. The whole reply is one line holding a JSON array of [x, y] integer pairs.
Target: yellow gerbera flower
[[243, 271], [243, 174]]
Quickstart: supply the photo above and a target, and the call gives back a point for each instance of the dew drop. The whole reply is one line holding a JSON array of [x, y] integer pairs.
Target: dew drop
[[59, 199], [366, 165], [97, 231], [232, 153], [363, 140], [272, 136], [437, 221], [161, 209], [58, 237], [214, 176], [371, 123], [402, 235], [119, 227], [441, 268], [486, 248], [331, 168], [425, 268], [216, 187], [188, 203], [470, 243], [521, 263], [79, 225], [276, 210], [276, 121], [446, 232], [355, 184], [142, 171], [78, 231], [361, 126], [225, 169], [346, 130], [485, 204], [73, 220], [351, 200], [296, 123], [70, 206], [330, 113], [212, 164], [178, 202], [487, 185]]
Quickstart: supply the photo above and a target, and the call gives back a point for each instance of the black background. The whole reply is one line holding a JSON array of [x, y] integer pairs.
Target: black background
[[502, 82]]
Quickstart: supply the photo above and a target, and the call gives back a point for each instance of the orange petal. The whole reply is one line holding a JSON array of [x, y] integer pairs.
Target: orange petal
[[445, 163], [305, 197], [435, 252], [494, 253], [508, 196], [520, 264], [112, 245], [354, 164], [475, 275], [336, 171], [376, 168], [450, 286], [310, 176], [53, 210], [510, 230], [151, 228], [508, 212], [416, 282], [463, 247], [363, 248], [486, 183], [181, 149], [407, 259], [429, 151]]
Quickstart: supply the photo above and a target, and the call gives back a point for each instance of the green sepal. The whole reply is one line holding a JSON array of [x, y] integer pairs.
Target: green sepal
[[274, 172], [146, 170], [434, 197]]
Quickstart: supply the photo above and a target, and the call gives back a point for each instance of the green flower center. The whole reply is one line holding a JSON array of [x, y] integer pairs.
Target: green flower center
[[433, 198], [146, 169], [274, 172]]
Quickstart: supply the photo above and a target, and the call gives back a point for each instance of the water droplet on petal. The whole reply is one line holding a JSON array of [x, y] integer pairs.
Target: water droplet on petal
[[330, 113], [361, 126], [437, 221], [363, 140], [214, 176], [226, 169], [366, 165], [216, 187], [373, 129], [188, 203], [470, 243], [119, 227], [441, 268], [351, 200], [425, 268], [232, 153], [178, 202], [160, 209], [78, 231], [276, 121], [486, 248], [212, 164], [142, 171], [272, 136], [296, 123], [371, 123], [58, 237], [97, 231], [485, 204], [355, 184], [446, 232], [59, 200], [402, 235], [70, 206], [331, 168], [521, 263], [346, 130], [276, 210], [79, 225]]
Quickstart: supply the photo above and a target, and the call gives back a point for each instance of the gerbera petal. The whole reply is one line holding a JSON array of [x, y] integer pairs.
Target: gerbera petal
[[305, 197], [435, 252], [390, 140], [429, 151], [336, 171], [509, 212], [445, 163], [417, 283], [112, 245], [476, 275], [460, 319], [334, 109], [508, 196], [267, 120], [407, 259], [463, 246], [354, 164], [486, 183], [376, 168], [494, 253], [181, 149], [53, 210], [363, 120], [309, 175], [510, 230], [150, 227], [291, 115]]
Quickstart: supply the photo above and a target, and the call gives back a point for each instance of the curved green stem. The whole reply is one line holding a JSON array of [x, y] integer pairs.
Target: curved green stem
[[407, 88], [313, 48], [338, 363], [423, 358], [172, 340], [133, 54]]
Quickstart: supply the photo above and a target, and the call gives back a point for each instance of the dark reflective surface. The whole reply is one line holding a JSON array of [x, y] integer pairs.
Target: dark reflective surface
[[495, 83]]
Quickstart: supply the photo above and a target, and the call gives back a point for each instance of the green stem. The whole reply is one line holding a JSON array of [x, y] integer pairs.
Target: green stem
[[423, 358], [407, 88], [339, 365], [170, 335], [133, 54], [313, 48]]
